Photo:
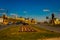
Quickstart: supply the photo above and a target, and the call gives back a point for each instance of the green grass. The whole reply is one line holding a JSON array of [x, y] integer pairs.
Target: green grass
[[13, 33]]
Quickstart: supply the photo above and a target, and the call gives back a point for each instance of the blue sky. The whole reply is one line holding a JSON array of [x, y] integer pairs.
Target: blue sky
[[31, 8]]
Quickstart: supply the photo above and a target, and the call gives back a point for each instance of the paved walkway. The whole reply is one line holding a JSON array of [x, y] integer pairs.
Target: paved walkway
[[50, 39], [55, 29]]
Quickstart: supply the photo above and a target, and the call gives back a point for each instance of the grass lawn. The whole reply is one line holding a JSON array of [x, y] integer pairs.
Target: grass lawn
[[13, 33]]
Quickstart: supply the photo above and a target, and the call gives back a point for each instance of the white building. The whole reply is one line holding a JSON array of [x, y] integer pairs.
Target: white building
[[57, 21], [1, 20]]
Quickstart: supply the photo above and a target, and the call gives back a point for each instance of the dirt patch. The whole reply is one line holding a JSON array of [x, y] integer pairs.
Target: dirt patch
[[50, 38]]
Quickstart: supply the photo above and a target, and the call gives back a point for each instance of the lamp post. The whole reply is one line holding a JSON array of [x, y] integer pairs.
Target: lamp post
[[3, 12], [48, 11]]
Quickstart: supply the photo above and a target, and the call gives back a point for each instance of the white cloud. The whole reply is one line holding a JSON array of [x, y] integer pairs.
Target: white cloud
[[4, 13], [25, 12], [12, 14], [59, 10], [46, 10], [2, 9]]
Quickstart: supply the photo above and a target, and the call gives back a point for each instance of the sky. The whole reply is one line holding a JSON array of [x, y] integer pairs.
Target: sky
[[37, 9]]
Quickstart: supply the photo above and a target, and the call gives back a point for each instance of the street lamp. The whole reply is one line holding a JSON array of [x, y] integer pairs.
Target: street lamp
[[48, 11]]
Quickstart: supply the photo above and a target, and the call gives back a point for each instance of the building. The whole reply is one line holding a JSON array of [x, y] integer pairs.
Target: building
[[1, 20], [57, 21]]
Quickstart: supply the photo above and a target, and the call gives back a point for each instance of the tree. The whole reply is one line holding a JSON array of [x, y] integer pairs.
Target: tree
[[47, 17], [32, 20], [52, 16]]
